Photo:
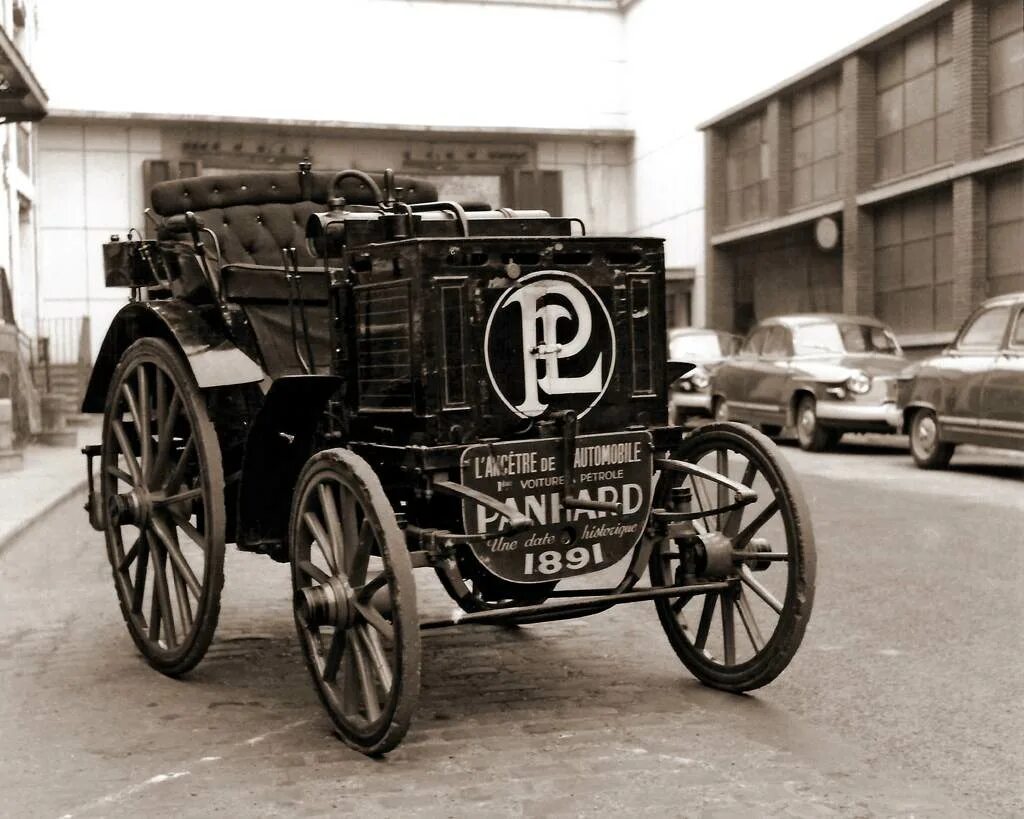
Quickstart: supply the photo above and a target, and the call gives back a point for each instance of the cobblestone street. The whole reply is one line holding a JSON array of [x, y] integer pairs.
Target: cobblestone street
[[582, 716]]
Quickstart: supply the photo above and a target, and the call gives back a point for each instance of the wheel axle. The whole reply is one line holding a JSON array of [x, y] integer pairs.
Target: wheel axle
[[329, 604]]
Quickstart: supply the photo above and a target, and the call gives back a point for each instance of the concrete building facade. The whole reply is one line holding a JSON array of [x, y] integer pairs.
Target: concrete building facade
[[886, 180]]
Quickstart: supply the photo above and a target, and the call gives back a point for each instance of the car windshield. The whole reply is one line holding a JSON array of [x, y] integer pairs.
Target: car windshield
[[698, 346], [844, 337]]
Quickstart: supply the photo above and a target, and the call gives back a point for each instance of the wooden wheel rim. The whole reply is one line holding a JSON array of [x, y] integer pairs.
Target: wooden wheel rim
[[365, 662], [167, 492], [769, 658]]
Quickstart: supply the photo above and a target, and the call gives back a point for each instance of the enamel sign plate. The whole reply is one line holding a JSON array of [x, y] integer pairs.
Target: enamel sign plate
[[528, 475]]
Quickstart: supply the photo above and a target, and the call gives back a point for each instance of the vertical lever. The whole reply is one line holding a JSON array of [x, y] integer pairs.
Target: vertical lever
[[570, 427], [291, 267]]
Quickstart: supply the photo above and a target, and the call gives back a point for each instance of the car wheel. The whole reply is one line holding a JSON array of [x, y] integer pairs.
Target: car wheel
[[926, 445], [721, 410], [812, 436]]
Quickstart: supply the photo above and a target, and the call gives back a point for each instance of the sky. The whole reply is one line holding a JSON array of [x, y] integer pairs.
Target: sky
[[444, 63]]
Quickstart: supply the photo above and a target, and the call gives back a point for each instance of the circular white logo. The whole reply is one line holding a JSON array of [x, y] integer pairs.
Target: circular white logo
[[549, 342]]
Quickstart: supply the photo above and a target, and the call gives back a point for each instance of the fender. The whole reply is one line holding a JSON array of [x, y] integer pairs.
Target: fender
[[213, 359], [279, 442]]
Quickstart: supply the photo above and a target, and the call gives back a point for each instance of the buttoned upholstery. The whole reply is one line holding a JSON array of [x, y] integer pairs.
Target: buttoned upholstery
[[255, 215]]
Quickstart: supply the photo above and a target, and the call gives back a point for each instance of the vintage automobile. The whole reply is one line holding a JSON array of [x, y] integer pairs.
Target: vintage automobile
[[341, 373], [705, 349], [973, 393], [825, 374]]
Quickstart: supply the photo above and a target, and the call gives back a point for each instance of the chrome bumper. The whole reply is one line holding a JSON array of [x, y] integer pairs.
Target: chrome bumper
[[690, 400], [887, 413]]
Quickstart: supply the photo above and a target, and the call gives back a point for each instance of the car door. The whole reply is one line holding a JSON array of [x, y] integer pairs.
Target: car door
[[965, 369], [733, 378], [1002, 396], [769, 376]]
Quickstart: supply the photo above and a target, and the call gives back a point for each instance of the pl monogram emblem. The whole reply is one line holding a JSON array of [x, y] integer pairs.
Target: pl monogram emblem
[[549, 341]]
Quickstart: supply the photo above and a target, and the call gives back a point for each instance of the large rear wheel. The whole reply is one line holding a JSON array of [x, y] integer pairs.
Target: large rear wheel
[[742, 637], [355, 600], [162, 487]]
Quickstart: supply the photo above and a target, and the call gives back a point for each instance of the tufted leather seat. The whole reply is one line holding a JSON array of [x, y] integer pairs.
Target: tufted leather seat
[[256, 215]]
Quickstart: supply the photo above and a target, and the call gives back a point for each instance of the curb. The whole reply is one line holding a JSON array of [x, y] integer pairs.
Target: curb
[[13, 534]]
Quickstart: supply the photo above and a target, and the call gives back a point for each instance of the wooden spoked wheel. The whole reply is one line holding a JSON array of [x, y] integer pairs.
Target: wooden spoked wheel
[[742, 637], [355, 600], [163, 492]]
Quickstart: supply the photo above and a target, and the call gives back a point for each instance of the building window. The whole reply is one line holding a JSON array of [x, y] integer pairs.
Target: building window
[[914, 127], [1006, 232], [914, 263], [746, 170], [816, 142], [1006, 71], [24, 145]]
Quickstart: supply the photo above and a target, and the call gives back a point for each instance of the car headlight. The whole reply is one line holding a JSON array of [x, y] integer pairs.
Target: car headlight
[[858, 383], [699, 378]]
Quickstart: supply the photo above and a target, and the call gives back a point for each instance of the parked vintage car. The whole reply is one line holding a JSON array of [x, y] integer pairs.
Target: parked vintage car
[[973, 392], [689, 396], [825, 374]]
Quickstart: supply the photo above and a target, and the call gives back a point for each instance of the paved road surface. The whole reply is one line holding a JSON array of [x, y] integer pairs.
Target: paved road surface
[[904, 699]]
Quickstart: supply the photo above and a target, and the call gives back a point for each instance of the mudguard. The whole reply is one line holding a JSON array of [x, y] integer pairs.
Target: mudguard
[[279, 441], [213, 359]]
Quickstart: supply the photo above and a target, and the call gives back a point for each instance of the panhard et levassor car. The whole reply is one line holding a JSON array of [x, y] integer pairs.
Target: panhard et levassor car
[[689, 396], [340, 372], [824, 374], [973, 393]]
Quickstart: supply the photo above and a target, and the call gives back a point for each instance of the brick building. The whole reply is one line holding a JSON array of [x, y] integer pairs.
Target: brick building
[[887, 179]]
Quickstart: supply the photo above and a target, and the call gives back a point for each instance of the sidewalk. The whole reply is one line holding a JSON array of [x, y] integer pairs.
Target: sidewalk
[[50, 474]]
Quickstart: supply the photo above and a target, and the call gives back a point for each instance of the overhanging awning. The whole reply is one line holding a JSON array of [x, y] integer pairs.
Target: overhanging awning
[[22, 98]]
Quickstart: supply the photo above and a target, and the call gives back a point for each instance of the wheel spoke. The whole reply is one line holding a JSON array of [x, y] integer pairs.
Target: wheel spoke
[[181, 497], [145, 429], [181, 596], [349, 685], [161, 592], [121, 475], [376, 619], [367, 590], [734, 518], [356, 568], [749, 623], [194, 534], [377, 656], [704, 626], [747, 577], [126, 450], [177, 476], [322, 540], [178, 561], [131, 554], [334, 654], [728, 629], [330, 510], [722, 468], [139, 586], [313, 571], [365, 682], [165, 429], [350, 529], [743, 538]]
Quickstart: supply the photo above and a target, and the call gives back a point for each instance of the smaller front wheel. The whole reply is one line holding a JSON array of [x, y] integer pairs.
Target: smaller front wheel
[[927, 448], [355, 600]]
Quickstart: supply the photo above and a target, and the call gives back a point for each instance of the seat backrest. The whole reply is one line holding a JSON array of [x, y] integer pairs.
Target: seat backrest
[[257, 214]]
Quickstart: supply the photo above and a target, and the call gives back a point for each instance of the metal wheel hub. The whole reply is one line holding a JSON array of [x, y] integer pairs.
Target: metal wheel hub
[[757, 544], [329, 604], [925, 434], [133, 508], [714, 555]]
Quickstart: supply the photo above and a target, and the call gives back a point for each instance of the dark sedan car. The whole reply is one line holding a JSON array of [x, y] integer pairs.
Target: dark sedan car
[[705, 349], [973, 393], [825, 374]]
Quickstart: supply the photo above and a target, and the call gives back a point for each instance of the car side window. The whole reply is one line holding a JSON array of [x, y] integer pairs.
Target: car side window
[[777, 344], [1017, 333], [985, 332], [752, 346]]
